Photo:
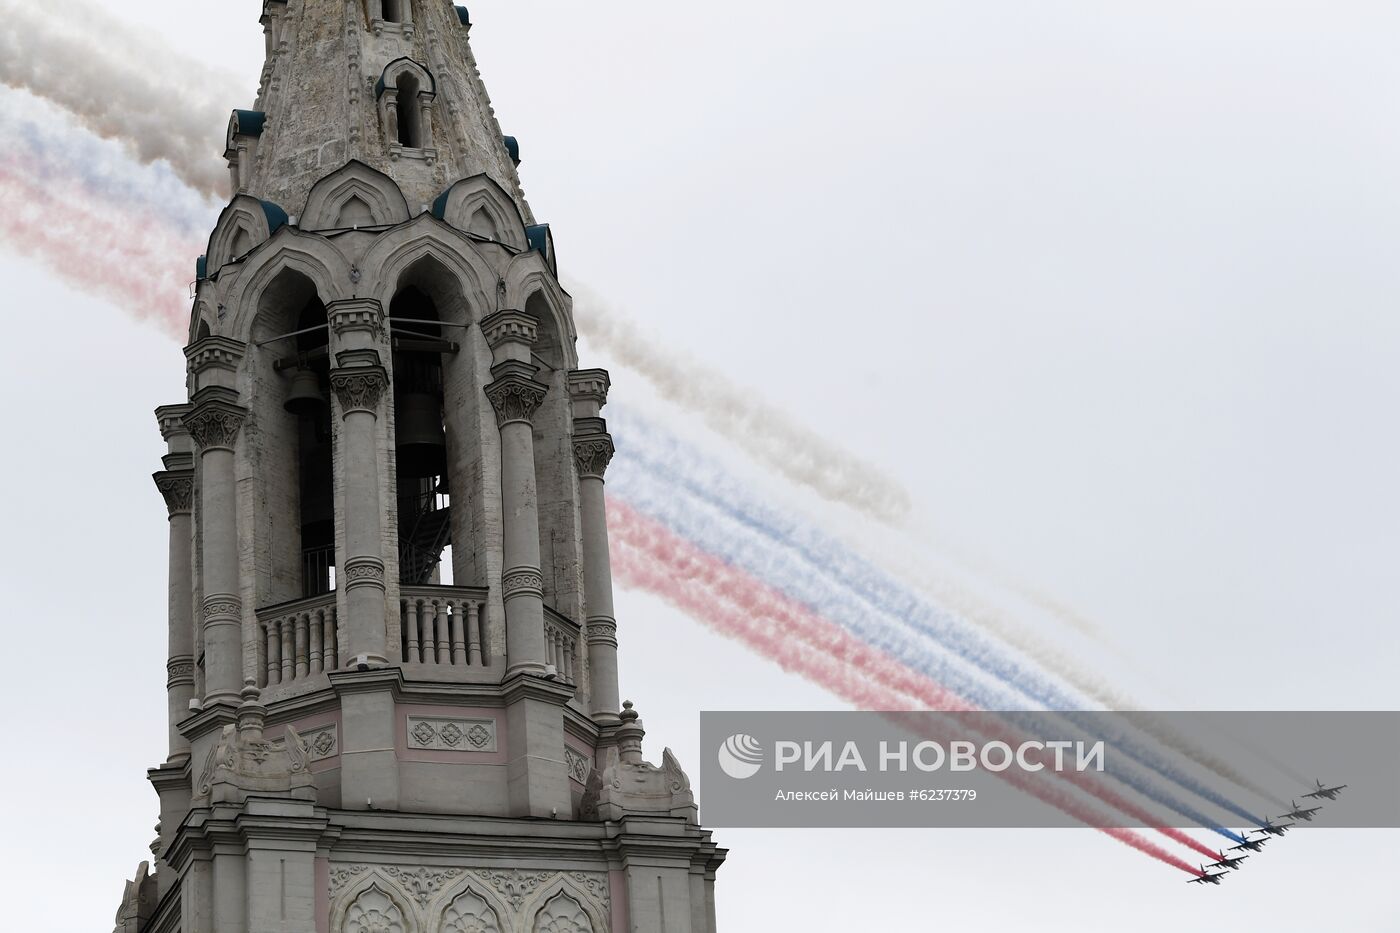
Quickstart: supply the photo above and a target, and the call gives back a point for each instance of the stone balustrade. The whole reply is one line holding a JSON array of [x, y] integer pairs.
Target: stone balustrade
[[561, 637], [443, 625], [299, 640]]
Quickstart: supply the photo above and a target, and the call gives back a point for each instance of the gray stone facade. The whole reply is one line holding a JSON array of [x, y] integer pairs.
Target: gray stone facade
[[383, 393]]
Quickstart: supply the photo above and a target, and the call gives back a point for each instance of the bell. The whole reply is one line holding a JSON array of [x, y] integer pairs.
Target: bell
[[304, 397], [422, 444]]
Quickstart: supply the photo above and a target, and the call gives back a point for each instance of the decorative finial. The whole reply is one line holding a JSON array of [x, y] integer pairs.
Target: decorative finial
[[628, 713]]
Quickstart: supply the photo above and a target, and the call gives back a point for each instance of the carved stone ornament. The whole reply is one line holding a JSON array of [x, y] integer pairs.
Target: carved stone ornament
[[359, 389], [244, 762], [469, 913], [634, 786], [178, 490], [602, 631], [593, 454], [526, 581], [516, 398], [138, 901], [215, 428], [179, 671], [579, 764], [364, 571], [374, 912], [563, 914]]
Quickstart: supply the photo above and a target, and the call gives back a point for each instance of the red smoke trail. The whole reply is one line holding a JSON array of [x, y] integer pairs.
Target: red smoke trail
[[120, 253], [648, 556]]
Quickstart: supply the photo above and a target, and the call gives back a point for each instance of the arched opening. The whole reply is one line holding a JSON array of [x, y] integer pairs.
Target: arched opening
[[394, 10], [295, 530], [420, 438], [410, 117], [308, 399]]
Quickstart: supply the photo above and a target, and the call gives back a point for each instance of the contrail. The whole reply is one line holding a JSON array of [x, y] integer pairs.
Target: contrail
[[762, 431], [648, 557], [121, 257], [155, 123], [842, 587], [122, 97]]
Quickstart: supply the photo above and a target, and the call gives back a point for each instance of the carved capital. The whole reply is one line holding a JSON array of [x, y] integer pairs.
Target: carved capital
[[364, 571], [515, 395], [214, 423], [522, 581], [510, 327], [359, 388], [593, 452], [178, 490]]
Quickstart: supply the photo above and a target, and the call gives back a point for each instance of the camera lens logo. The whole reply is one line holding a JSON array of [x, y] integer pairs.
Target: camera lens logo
[[741, 756]]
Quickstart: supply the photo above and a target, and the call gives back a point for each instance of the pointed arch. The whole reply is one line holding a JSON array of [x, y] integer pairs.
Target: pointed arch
[[313, 256], [374, 905], [354, 181], [395, 251], [399, 67], [566, 907], [245, 224], [469, 900], [460, 203], [530, 285]]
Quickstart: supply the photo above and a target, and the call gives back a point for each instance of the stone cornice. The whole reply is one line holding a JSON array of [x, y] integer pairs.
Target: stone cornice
[[515, 395], [590, 385], [171, 419], [356, 314], [210, 353], [525, 685], [510, 327]]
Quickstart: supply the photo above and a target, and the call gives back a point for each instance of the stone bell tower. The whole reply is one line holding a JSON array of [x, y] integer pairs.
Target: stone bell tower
[[392, 670]]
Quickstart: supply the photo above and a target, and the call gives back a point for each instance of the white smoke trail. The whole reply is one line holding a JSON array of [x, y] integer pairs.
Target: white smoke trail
[[119, 85], [762, 431]]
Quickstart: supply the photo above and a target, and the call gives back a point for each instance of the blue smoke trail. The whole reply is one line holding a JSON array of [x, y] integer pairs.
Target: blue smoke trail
[[101, 168], [842, 586]]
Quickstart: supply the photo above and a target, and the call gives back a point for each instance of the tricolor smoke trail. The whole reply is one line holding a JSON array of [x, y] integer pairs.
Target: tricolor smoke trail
[[650, 557], [722, 518], [115, 98], [764, 432]]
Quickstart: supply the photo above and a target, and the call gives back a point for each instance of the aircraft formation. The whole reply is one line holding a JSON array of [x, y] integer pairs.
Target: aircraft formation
[[1304, 814]]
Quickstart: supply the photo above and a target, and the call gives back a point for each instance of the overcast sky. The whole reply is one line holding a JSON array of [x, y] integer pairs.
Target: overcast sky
[[1112, 288]]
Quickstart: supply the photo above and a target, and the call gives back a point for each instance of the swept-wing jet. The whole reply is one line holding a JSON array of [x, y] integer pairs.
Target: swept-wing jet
[[1301, 813], [1270, 828], [1328, 792], [1228, 861], [1207, 878], [1253, 845]]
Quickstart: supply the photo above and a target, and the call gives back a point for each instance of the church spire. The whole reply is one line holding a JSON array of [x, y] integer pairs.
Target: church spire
[[391, 83]]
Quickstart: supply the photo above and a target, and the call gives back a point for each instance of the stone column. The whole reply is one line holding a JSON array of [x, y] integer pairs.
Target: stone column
[[537, 784], [516, 396], [176, 484], [359, 381], [214, 421], [593, 451]]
